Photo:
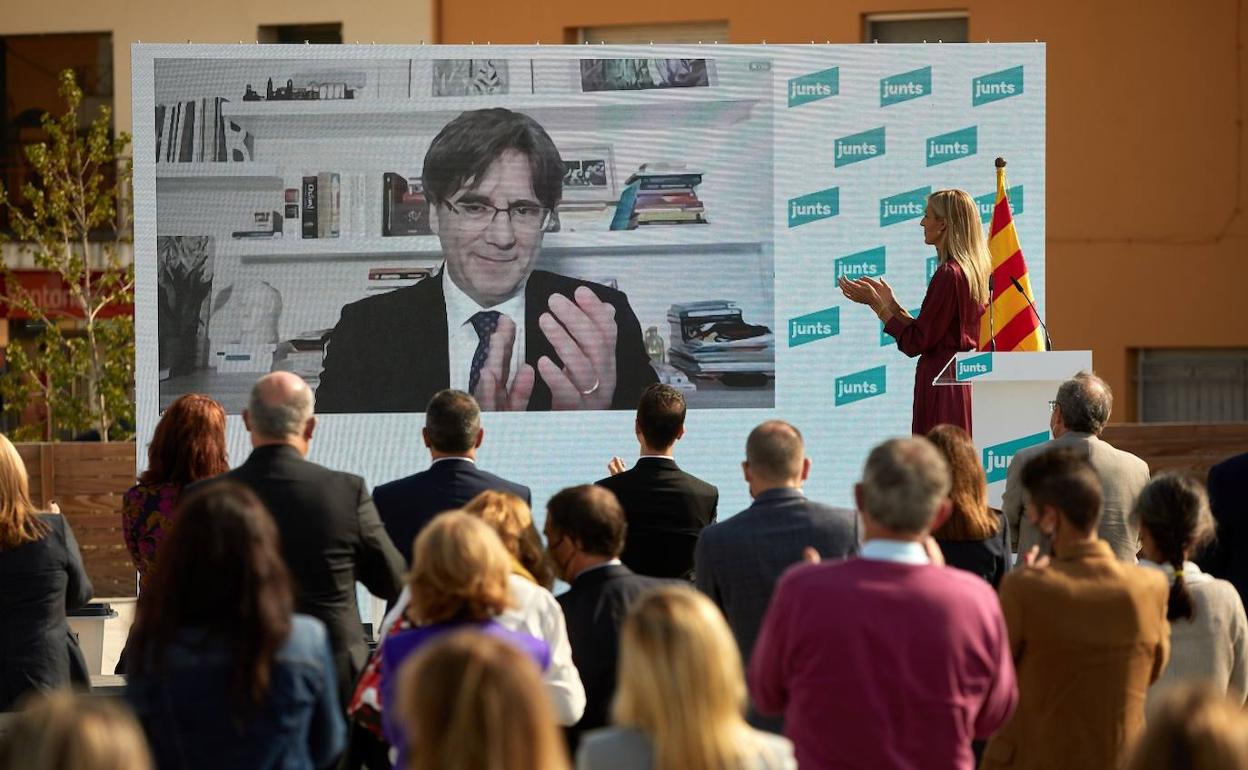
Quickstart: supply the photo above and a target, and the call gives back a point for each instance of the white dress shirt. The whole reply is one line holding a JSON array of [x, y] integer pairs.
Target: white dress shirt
[[901, 551], [461, 335], [536, 612]]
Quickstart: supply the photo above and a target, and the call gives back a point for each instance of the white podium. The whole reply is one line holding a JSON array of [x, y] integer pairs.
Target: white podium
[[1010, 395]]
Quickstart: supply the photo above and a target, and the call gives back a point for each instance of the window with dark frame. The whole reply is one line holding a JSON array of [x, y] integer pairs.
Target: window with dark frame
[[919, 27], [1193, 385], [323, 33]]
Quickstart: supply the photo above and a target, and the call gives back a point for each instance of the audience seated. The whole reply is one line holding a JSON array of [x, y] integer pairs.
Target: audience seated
[[1208, 628], [1078, 416], [331, 535], [584, 534], [222, 673], [974, 538], [41, 577], [681, 695], [453, 434], [1088, 631], [739, 560], [1227, 558], [473, 702], [62, 731], [458, 581], [1194, 727], [887, 660], [187, 445], [665, 507]]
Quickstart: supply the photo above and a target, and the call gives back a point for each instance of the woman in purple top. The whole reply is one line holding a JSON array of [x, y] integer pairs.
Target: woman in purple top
[[188, 445], [458, 581], [948, 320]]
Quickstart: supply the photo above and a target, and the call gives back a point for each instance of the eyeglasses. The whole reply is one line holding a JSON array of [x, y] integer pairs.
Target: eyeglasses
[[524, 218]]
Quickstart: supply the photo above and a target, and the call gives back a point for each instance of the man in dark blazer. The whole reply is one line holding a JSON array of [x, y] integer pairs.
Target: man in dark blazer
[[331, 533], [739, 560], [666, 508], [453, 434], [488, 323], [1227, 557], [584, 534]]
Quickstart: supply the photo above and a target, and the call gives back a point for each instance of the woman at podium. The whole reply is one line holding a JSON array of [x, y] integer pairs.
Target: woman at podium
[[948, 320]]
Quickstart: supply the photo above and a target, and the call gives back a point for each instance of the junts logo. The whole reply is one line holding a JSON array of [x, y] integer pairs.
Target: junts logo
[[988, 202], [903, 206], [905, 86], [864, 263], [997, 458], [956, 144], [859, 147], [974, 366], [861, 385], [996, 86], [814, 326], [815, 86], [814, 206]]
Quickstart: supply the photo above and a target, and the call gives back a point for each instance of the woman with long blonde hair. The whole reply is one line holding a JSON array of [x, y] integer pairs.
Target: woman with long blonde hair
[[948, 320], [43, 578], [681, 695]]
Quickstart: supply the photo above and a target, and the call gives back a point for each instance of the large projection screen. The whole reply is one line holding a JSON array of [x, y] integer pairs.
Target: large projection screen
[[704, 188]]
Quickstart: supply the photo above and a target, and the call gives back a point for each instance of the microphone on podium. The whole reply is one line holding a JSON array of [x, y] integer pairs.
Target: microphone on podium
[[1048, 343]]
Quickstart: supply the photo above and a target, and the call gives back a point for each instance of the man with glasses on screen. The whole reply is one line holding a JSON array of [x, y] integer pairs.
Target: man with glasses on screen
[[489, 323]]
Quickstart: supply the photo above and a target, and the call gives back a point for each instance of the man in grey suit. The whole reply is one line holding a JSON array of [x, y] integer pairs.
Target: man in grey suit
[[1079, 413], [738, 561]]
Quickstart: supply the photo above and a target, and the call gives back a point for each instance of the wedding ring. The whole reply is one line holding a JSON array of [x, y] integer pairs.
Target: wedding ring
[[592, 390]]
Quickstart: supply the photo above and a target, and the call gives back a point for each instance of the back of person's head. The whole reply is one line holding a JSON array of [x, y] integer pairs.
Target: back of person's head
[[63, 731], [971, 518], [188, 444], [1174, 511], [463, 151], [220, 571], [474, 702], [452, 421], [661, 415], [775, 452], [680, 681], [459, 571], [18, 522], [1064, 480], [904, 484], [1085, 402], [512, 520], [964, 240], [280, 406], [1195, 727], [591, 517]]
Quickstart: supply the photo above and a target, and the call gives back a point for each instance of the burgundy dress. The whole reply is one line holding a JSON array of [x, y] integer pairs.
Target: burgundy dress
[[948, 322]]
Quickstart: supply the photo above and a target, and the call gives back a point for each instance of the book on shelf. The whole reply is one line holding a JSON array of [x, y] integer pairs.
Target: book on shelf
[[672, 216], [320, 205], [196, 131], [660, 194], [405, 208], [309, 206]]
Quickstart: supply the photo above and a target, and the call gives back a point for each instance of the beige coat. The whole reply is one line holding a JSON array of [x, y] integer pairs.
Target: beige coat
[[1089, 635]]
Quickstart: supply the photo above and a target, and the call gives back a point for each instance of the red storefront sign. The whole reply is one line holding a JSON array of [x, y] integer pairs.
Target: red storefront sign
[[51, 293]]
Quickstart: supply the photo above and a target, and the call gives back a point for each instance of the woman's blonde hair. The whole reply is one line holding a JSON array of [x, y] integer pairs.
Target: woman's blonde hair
[[474, 702], [459, 571], [61, 730], [512, 519], [964, 240], [680, 682], [1196, 727], [18, 522]]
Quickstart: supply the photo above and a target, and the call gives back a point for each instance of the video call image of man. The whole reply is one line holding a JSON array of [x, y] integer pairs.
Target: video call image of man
[[489, 323]]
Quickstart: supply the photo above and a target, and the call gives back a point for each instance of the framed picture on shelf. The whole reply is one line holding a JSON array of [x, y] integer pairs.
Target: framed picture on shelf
[[645, 74], [589, 173], [471, 77]]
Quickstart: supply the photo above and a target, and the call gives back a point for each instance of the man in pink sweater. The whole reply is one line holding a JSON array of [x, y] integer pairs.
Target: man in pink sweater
[[887, 660]]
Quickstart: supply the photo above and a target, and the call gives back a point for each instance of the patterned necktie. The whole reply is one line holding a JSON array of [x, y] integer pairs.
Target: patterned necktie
[[485, 322]]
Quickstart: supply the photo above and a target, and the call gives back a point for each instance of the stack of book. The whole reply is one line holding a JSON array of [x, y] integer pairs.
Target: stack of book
[[710, 339], [660, 194], [304, 355]]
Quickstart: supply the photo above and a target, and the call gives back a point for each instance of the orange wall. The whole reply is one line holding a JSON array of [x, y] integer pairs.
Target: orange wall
[[1147, 241]]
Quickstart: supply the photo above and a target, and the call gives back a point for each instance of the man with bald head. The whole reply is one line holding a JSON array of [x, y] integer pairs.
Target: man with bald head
[[330, 532], [1079, 413], [738, 561]]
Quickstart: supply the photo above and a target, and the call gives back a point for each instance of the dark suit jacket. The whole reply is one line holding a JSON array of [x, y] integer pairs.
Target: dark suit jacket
[[39, 583], [389, 353], [739, 560], [331, 537], [666, 510], [408, 504], [594, 607], [1227, 557]]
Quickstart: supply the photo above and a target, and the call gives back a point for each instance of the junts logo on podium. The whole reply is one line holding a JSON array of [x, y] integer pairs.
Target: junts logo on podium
[[814, 326], [988, 202], [859, 147], [815, 86], [905, 86], [903, 206], [997, 457], [861, 385], [996, 86], [962, 143], [860, 265], [812, 207], [974, 366]]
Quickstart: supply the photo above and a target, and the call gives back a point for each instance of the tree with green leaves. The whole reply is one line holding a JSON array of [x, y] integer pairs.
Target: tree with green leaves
[[70, 222]]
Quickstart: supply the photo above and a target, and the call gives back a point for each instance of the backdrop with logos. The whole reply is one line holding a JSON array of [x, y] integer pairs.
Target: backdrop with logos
[[722, 190]]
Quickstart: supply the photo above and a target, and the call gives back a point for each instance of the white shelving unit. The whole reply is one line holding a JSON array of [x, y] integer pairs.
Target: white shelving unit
[[175, 177]]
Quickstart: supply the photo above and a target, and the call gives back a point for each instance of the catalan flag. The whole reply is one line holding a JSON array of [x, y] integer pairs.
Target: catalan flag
[[1015, 324]]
